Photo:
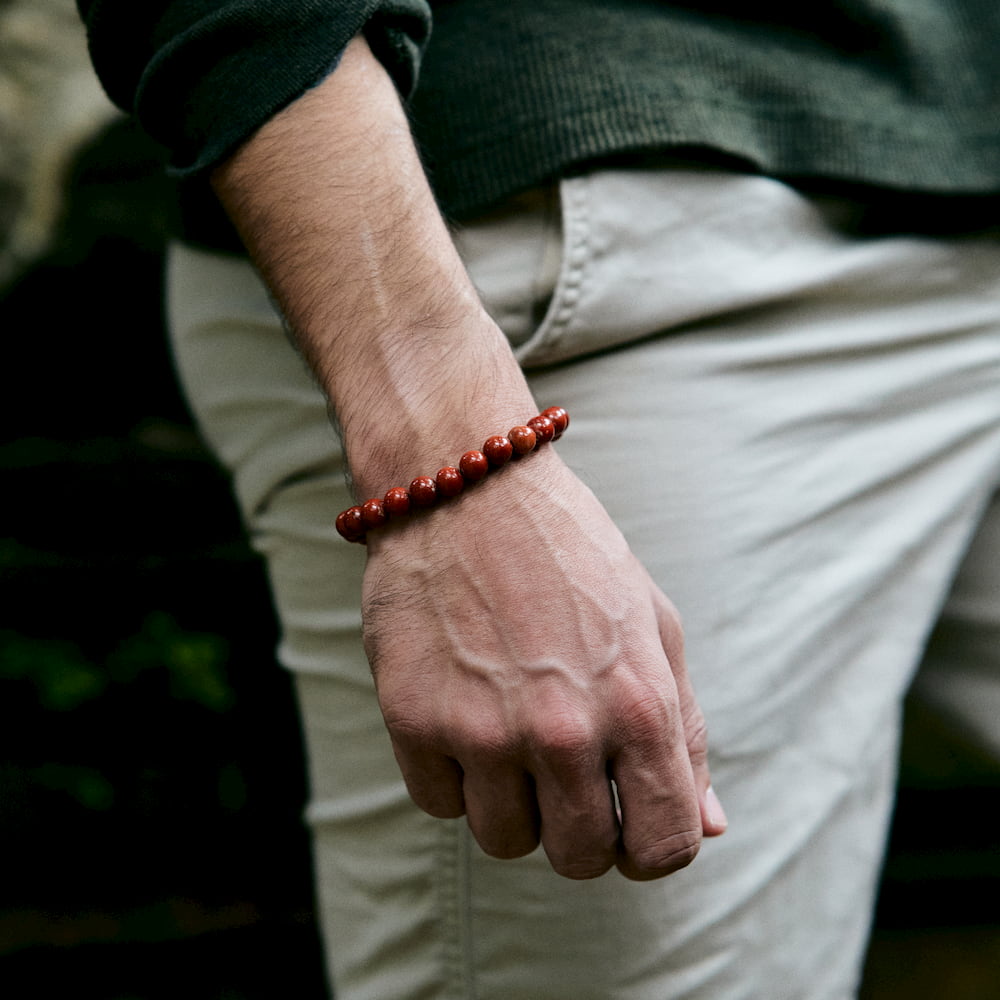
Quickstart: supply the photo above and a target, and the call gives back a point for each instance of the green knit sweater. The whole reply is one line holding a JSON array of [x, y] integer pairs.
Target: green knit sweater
[[895, 94]]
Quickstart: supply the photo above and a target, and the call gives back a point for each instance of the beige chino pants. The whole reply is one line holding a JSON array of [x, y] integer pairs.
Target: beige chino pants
[[798, 430]]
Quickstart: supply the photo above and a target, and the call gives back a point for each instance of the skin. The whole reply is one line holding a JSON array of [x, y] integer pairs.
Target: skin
[[511, 706]]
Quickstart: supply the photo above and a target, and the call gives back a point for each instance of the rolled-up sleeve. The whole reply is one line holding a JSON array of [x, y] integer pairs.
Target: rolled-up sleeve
[[202, 75]]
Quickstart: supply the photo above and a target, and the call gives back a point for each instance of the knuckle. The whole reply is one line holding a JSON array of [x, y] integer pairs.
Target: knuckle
[[582, 870], [408, 730], [407, 717], [435, 805], [485, 745], [648, 712], [437, 794], [669, 854], [509, 848], [565, 740]]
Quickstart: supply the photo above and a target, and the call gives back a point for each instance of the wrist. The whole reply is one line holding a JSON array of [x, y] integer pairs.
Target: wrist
[[451, 480], [416, 426], [494, 508]]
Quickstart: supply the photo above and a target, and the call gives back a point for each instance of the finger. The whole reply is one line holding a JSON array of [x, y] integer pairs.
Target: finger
[[501, 810], [433, 780], [713, 817], [579, 822], [661, 822]]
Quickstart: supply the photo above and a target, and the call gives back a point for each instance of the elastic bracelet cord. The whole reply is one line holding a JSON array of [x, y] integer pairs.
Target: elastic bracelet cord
[[426, 491]]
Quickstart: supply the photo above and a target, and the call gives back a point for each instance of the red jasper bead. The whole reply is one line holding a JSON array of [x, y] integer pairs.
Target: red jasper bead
[[559, 417], [473, 465], [423, 492], [351, 525], [544, 429], [373, 513], [522, 440], [396, 502], [498, 450], [449, 481]]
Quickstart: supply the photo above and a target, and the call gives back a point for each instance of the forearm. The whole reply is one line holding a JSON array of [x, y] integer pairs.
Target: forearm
[[333, 204]]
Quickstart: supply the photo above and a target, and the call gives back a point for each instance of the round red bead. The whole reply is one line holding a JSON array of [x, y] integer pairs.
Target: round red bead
[[473, 465], [522, 439], [423, 492], [559, 417], [396, 502], [498, 450], [544, 429], [351, 525], [373, 513], [449, 481]]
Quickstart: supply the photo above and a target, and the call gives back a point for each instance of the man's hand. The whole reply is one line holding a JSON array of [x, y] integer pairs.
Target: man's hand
[[523, 658]]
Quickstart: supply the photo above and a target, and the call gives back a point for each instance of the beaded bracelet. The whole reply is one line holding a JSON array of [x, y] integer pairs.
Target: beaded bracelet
[[425, 491]]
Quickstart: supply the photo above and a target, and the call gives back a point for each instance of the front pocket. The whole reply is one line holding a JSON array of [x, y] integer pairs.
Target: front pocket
[[515, 256], [567, 254]]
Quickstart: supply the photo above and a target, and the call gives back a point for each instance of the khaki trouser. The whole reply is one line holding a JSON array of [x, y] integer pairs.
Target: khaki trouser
[[798, 430]]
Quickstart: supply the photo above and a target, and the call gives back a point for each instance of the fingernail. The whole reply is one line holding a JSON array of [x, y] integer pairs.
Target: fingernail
[[713, 809]]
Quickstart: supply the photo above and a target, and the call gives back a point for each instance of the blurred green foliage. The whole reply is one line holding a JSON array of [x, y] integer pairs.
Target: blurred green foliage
[[86, 785], [64, 678], [195, 662]]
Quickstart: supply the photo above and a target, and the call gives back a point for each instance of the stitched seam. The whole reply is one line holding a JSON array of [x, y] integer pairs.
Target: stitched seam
[[577, 227], [456, 910], [574, 256]]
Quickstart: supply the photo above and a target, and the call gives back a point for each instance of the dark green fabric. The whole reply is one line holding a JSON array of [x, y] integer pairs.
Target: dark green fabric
[[202, 75], [901, 93], [898, 95]]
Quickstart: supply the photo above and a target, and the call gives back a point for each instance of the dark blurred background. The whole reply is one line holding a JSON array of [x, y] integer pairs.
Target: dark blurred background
[[151, 780]]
